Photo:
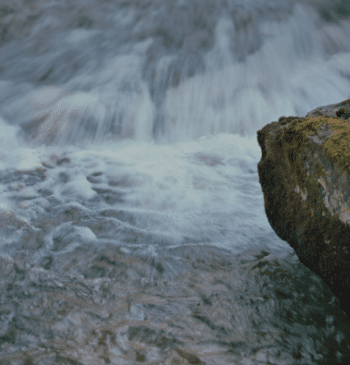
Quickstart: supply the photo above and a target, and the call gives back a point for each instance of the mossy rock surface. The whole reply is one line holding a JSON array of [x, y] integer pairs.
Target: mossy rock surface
[[332, 133], [305, 177]]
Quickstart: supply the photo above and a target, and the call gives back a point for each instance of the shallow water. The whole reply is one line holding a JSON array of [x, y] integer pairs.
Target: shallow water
[[132, 224]]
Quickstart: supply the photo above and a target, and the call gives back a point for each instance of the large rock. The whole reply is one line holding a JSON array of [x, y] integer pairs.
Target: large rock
[[304, 173]]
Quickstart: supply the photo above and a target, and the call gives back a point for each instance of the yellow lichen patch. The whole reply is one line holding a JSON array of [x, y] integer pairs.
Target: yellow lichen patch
[[336, 147]]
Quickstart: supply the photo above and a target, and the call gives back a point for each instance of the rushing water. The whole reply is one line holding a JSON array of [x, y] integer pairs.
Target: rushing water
[[132, 225]]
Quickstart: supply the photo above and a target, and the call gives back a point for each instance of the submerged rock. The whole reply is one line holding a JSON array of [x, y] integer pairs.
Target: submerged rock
[[304, 173]]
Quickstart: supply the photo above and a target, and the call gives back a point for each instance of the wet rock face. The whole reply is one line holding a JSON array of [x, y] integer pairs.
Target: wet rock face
[[304, 173]]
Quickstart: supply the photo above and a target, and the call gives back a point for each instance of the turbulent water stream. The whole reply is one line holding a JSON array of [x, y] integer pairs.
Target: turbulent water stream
[[132, 224]]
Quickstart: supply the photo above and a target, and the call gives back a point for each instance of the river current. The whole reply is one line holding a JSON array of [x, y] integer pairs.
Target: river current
[[132, 223]]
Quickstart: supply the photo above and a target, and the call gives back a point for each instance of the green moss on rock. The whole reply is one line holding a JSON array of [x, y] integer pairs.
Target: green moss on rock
[[336, 147]]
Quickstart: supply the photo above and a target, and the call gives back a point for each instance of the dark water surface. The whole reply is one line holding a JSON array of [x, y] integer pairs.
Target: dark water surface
[[132, 225]]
